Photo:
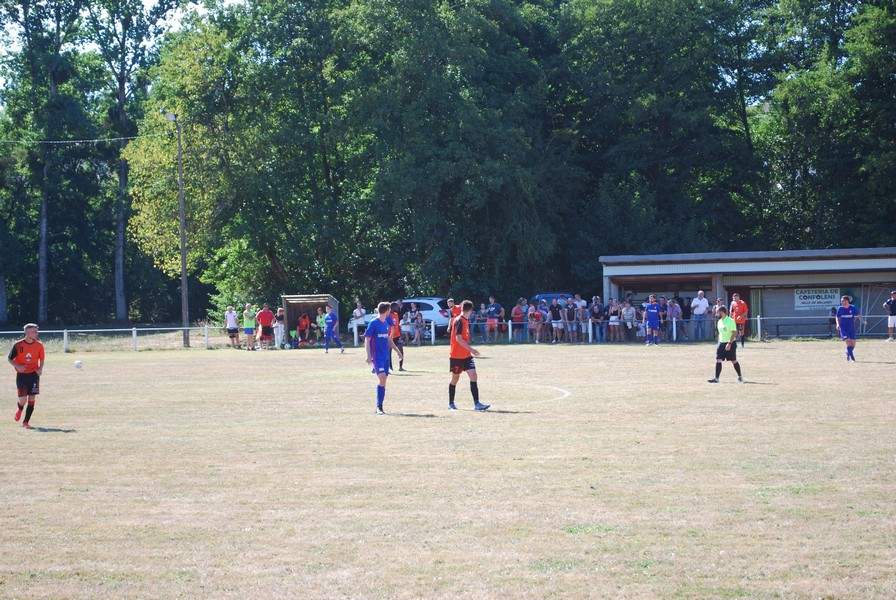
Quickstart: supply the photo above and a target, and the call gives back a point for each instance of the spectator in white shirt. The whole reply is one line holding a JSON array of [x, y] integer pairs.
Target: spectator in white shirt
[[232, 323], [699, 308]]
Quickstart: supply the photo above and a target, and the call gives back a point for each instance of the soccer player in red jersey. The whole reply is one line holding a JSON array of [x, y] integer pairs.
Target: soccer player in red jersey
[[739, 311], [265, 318], [395, 332], [462, 354], [27, 358]]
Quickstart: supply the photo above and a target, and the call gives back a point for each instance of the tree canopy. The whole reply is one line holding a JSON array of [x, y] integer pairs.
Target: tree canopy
[[378, 148]]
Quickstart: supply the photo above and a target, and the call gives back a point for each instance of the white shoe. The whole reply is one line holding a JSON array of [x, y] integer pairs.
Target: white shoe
[[740, 379]]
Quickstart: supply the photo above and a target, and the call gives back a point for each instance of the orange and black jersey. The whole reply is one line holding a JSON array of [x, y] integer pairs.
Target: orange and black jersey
[[460, 326], [27, 354]]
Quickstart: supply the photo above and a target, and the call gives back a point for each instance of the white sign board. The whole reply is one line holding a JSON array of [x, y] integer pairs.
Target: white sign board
[[816, 298]]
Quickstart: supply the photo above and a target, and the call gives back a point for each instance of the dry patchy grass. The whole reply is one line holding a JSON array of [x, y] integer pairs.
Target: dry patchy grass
[[234, 474]]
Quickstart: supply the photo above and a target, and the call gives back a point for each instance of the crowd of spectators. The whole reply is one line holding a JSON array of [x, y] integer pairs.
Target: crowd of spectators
[[568, 320], [562, 320]]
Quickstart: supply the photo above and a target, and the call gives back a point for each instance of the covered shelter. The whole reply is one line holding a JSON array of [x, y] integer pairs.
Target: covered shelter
[[793, 291], [296, 304]]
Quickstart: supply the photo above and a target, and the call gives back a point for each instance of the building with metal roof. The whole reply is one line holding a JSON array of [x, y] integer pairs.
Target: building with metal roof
[[789, 285]]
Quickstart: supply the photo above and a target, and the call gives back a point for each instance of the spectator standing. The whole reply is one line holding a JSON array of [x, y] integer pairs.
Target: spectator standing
[[517, 318], [319, 325], [614, 329], [569, 321], [890, 307], [279, 328], [629, 323], [249, 326], [684, 327], [265, 320], [699, 309], [665, 330], [494, 314], [556, 321], [583, 321], [739, 311], [232, 324], [481, 319], [598, 320], [674, 311], [357, 314], [533, 318]]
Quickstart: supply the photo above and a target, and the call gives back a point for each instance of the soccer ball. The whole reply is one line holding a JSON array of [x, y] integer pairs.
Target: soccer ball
[[78, 364]]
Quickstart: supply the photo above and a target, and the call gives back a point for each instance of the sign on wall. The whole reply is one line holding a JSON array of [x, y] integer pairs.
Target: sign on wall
[[816, 298]]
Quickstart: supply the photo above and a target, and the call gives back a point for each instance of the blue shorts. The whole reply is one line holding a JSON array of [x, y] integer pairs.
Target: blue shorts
[[847, 335], [381, 367], [331, 335], [248, 331], [653, 324]]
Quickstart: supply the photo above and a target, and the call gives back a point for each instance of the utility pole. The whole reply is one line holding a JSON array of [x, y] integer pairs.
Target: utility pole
[[184, 295]]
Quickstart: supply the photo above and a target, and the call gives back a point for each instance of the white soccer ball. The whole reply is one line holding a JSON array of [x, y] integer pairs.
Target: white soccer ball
[[78, 364]]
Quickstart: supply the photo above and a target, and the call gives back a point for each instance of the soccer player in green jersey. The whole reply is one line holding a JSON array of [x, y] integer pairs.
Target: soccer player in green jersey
[[727, 349]]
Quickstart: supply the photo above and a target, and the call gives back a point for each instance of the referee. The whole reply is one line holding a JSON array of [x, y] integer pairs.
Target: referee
[[727, 349]]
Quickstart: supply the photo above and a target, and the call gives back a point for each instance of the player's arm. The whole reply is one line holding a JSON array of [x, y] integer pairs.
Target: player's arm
[[368, 342], [10, 358], [733, 340], [459, 338], [40, 362]]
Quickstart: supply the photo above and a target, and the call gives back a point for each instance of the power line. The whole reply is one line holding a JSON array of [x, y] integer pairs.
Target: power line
[[90, 141]]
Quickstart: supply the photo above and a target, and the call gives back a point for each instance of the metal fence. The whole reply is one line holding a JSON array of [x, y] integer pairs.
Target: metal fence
[[676, 330], [209, 337]]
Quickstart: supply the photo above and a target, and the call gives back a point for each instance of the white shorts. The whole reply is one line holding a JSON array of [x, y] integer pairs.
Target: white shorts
[[891, 321], [557, 324]]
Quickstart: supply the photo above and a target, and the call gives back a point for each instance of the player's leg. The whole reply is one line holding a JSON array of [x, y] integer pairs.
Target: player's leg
[[20, 403], [29, 410], [720, 356], [452, 386], [400, 344], [474, 387], [736, 365], [327, 343], [381, 391], [338, 342]]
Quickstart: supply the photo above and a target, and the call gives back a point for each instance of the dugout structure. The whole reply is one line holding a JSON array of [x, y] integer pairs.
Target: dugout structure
[[296, 304]]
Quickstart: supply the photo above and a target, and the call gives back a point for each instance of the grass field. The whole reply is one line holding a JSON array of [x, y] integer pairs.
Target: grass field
[[600, 472]]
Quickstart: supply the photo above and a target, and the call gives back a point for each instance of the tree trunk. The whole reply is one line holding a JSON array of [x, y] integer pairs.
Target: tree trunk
[[4, 315]]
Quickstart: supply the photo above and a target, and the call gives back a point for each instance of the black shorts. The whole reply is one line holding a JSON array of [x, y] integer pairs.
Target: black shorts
[[459, 365], [398, 342], [28, 384], [267, 332], [233, 331], [722, 354]]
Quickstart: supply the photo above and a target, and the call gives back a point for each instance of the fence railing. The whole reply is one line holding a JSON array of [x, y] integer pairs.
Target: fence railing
[[692, 330], [209, 337]]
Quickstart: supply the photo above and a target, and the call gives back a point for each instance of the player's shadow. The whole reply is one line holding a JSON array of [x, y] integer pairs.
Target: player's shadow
[[53, 430], [877, 362], [415, 415], [500, 412], [759, 383]]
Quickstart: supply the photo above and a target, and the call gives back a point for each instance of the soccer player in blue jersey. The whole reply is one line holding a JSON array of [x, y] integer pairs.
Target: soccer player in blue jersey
[[847, 322], [379, 350], [332, 330], [652, 321]]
